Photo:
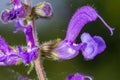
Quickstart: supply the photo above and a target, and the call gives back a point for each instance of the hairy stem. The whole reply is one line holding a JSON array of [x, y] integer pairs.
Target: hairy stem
[[38, 62]]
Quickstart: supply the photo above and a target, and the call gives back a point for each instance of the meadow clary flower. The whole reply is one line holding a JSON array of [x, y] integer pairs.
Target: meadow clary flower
[[18, 11], [90, 46], [31, 51], [20, 77], [19, 8], [78, 76], [8, 56]]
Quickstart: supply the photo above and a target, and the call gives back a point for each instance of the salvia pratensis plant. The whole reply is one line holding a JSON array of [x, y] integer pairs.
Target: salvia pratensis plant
[[23, 15]]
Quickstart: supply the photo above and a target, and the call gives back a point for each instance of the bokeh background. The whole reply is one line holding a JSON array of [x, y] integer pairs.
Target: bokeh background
[[105, 66]]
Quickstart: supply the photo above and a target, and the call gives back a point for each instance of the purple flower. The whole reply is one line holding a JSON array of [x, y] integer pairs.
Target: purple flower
[[31, 48], [90, 46], [81, 17], [18, 25], [18, 11], [8, 15], [28, 55], [65, 50], [44, 9], [20, 77], [31, 51], [93, 46], [17, 3], [8, 56], [78, 76], [29, 36]]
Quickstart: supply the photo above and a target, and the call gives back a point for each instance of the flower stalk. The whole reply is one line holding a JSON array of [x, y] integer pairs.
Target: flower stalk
[[38, 62]]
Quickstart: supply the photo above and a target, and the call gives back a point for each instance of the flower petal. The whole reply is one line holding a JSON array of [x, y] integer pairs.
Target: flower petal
[[101, 43], [29, 36], [65, 50], [20, 12], [4, 47], [8, 15], [94, 46], [28, 55], [77, 76], [7, 54], [81, 17], [19, 25]]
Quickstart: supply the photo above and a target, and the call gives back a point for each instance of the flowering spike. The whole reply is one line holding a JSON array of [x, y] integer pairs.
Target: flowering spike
[[78, 76], [94, 46]]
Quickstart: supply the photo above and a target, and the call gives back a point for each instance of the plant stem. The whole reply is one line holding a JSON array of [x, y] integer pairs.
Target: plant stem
[[38, 62]]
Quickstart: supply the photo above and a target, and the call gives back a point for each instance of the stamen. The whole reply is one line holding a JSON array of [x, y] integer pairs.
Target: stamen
[[110, 28], [88, 77]]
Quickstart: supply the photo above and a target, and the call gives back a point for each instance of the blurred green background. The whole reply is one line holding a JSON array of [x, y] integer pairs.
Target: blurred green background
[[105, 66]]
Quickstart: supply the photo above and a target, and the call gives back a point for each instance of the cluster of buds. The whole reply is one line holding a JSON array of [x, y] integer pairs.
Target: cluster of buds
[[58, 49]]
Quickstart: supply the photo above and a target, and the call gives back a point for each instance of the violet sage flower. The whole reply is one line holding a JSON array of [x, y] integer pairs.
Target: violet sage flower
[[31, 51], [22, 78], [19, 8], [18, 11], [90, 46], [8, 56], [78, 76]]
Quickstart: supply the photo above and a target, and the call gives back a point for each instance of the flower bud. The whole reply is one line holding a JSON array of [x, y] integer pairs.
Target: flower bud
[[43, 9]]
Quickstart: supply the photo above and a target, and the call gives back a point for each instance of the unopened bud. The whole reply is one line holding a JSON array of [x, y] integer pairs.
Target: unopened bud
[[43, 9]]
